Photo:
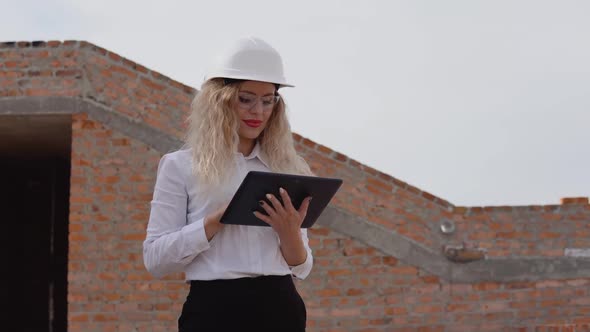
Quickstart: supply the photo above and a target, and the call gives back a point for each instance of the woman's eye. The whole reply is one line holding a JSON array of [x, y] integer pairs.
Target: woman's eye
[[244, 100], [267, 102]]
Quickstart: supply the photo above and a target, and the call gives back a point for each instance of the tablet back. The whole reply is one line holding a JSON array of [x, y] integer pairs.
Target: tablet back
[[257, 184]]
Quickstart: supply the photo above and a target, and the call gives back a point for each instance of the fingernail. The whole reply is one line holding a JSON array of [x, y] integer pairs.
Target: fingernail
[[282, 190], [269, 196], [310, 198]]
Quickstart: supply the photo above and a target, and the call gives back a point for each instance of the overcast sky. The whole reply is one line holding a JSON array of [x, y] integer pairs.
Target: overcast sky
[[477, 102]]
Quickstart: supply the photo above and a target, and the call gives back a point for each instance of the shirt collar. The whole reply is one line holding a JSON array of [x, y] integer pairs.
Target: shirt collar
[[257, 153]]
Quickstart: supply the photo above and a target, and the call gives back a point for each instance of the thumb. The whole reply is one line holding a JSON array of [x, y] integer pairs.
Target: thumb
[[223, 207]]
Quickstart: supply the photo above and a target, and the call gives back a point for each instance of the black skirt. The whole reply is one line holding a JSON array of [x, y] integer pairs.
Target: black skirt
[[266, 303]]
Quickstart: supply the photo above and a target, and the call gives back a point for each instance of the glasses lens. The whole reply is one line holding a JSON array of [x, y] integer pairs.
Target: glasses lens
[[268, 101], [249, 101], [246, 101]]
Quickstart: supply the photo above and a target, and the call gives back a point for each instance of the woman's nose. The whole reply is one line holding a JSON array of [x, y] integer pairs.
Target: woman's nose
[[257, 106]]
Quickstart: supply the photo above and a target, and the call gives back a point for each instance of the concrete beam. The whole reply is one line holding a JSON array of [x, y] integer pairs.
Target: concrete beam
[[67, 105], [413, 253]]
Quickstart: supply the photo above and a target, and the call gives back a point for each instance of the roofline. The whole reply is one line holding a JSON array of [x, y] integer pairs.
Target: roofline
[[112, 56]]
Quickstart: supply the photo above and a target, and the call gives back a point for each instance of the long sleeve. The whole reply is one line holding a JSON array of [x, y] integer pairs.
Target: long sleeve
[[171, 243], [302, 270]]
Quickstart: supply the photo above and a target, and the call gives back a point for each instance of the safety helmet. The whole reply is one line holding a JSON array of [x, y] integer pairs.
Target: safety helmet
[[252, 59]]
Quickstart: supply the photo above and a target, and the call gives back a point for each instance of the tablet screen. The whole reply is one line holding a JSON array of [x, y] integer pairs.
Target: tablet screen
[[257, 184]]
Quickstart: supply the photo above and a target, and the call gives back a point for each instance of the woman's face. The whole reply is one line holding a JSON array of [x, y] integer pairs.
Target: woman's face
[[254, 105]]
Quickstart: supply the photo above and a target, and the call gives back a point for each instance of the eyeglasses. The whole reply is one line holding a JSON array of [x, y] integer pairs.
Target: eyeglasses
[[248, 101]]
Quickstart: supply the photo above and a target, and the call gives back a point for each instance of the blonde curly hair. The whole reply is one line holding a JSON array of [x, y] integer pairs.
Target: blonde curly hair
[[213, 135]]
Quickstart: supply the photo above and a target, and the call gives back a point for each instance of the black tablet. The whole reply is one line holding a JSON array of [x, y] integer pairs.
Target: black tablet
[[257, 184]]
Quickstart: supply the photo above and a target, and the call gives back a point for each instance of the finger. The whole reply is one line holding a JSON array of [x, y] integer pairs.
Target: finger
[[276, 204], [304, 206], [221, 210], [268, 208], [287, 201], [264, 218], [224, 207]]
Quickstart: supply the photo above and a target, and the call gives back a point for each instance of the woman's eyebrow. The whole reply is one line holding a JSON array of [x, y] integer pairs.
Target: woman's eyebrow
[[252, 93]]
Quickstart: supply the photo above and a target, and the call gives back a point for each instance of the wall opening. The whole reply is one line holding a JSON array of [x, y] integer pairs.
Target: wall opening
[[35, 173]]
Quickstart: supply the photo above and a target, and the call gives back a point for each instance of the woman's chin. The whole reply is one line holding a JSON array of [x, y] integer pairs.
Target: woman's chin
[[251, 133]]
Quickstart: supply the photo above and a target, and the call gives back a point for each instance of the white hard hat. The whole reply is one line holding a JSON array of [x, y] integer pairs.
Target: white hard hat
[[250, 59]]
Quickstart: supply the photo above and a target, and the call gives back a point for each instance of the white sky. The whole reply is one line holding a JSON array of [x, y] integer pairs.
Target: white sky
[[478, 102]]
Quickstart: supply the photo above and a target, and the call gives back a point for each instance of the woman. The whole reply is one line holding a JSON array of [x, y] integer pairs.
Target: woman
[[240, 276]]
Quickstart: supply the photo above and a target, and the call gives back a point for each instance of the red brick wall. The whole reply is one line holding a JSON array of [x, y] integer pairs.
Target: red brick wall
[[527, 230], [81, 69], [109, 289], [51, 70], [503, 231], [356, 288], [378, 197], [352, 287]]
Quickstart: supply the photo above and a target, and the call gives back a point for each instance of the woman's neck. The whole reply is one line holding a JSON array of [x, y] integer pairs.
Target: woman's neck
[[246, 146]]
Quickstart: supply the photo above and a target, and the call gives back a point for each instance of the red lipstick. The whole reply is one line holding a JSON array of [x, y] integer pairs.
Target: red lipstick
[[253, 123]]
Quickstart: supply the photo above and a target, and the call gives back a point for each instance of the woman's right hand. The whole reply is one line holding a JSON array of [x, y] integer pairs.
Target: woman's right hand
[[212, 222]]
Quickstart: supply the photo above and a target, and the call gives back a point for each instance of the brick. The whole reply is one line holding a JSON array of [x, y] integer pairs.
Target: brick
[[105, 318], [68, 73], [495, 306], [308, 143], [354, 164], [574, 200], [120, 141], [577, 282], [369, 170], [152, 85], [581, 301], [389, 260], [549, 283], [404, 270], [380, 321], [134, 237], [328, 292], [519, 285], [549, 235], [336, 273], [78, 318], [460, 307], [340, 157], [314, 312], [345, 312], [430, 279], [497, 296], [378, 185], [428, 196], [486, 286], [319, 231], [355, 292], [324, 149]]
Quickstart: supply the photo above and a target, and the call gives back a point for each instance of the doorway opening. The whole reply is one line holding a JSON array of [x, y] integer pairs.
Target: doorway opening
[[35, 176]]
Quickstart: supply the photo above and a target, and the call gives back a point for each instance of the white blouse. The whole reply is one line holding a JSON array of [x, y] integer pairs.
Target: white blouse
[[176, 239]]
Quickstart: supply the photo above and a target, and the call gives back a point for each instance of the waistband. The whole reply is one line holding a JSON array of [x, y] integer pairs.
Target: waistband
[[241, 283]]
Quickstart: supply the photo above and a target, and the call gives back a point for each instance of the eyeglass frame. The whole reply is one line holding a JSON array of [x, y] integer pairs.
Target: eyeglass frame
[[257, 99], [276, 96]]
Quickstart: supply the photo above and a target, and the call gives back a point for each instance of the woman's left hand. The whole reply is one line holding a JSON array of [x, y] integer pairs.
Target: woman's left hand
[[283, 218]]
